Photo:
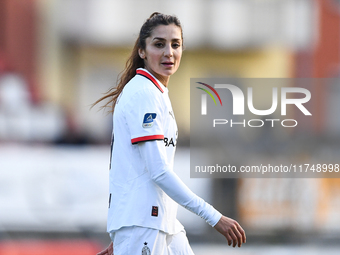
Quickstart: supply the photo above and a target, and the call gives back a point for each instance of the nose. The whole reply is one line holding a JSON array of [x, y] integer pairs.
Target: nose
[[168, 51]]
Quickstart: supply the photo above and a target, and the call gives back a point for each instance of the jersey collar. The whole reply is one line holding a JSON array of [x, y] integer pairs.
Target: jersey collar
[[153, 79]]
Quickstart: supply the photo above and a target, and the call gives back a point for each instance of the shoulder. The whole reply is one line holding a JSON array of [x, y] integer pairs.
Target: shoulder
[[141, 83], [144, 80], [140, 89]]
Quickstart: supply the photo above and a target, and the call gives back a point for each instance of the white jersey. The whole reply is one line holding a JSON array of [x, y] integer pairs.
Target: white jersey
[[141, 172]]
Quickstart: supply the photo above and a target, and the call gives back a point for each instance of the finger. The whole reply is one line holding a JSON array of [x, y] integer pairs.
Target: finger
[[230, 240], [237, 233], [242, 232], [233, 237], [110, 250], [238, 236], [103, 252]]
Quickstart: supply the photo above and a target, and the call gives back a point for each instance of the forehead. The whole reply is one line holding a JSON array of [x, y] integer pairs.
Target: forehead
[[167, 32]]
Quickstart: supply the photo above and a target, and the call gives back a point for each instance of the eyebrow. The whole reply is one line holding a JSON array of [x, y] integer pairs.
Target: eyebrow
[[163, 39]]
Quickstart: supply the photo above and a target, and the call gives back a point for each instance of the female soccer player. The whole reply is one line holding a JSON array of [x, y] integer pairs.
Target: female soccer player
[[144, 190]]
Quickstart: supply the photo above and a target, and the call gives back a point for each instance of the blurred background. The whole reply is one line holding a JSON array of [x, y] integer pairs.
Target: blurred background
[[59, 56]]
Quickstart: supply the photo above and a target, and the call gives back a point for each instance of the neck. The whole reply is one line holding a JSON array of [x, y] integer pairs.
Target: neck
[[163, 79]]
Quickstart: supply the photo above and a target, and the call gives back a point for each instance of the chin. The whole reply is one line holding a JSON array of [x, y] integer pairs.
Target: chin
[[168, 72]]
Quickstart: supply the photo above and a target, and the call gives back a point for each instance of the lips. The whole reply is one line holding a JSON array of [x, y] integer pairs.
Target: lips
[[168, 64]]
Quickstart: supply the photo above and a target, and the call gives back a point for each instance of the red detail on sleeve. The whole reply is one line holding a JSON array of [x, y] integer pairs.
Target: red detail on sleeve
[[147, 138]]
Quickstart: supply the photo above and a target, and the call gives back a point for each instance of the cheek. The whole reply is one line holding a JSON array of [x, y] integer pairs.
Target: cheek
[[179, 56], [150, 52], [154, 56]]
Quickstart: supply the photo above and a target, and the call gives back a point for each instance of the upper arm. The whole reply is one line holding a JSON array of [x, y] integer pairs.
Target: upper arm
[[144, 117]]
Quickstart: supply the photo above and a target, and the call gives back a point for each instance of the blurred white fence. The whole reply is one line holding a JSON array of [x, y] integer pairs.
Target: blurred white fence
[[228, 24], [65, 188]]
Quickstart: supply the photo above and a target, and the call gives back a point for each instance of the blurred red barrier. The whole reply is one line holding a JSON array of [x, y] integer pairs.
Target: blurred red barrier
[[35, 247]]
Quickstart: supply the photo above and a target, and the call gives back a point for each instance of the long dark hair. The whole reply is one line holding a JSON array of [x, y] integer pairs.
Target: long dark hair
[[135, 61]]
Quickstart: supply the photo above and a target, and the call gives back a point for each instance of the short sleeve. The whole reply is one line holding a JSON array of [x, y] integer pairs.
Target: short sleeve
[[144, 116]]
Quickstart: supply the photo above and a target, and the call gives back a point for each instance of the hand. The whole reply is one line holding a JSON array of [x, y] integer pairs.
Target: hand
[[107, 251], [232, 231]]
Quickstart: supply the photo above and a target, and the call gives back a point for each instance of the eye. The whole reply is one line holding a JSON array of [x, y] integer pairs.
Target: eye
[[176, 45], [159, 44]]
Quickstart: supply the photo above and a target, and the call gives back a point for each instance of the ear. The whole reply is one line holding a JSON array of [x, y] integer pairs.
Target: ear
[[141, 53]]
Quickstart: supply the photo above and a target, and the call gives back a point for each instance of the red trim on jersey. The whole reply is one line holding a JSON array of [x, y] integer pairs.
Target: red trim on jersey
[[147, 138], [148, 76]]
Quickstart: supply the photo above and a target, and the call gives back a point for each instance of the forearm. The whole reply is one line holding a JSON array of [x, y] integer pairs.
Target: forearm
[[153, 153]]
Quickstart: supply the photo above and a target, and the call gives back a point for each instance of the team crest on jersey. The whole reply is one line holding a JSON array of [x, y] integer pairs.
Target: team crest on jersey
[[148, 120], [146, 249]]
